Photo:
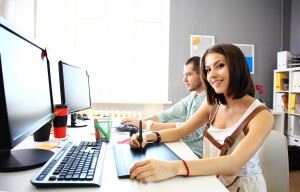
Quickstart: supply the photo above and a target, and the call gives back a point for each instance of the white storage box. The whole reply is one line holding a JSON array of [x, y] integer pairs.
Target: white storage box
[[293, 141]]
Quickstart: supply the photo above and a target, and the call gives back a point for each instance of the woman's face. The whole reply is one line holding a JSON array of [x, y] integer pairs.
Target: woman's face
[[217, 72]]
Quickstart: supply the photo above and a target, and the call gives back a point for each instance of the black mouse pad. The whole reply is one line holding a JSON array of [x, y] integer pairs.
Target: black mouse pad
[[125, 156]]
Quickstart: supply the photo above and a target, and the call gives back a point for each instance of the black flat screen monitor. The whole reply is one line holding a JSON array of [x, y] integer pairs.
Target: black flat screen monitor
[[74, 90], [25, 98]]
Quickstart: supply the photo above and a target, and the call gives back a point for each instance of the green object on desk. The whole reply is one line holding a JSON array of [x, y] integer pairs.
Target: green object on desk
[[105, 131]]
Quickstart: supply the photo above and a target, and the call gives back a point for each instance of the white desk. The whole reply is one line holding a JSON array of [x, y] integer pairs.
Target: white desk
[[20, 181]]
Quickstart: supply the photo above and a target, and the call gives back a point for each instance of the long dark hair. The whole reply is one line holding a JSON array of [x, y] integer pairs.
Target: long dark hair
[[240, 81]]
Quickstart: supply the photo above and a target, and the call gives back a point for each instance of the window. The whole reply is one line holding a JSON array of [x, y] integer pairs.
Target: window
[[124, 44]]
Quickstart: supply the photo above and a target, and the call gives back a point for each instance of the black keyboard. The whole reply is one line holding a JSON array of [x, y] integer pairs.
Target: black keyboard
[[73, 166], [127, 128]]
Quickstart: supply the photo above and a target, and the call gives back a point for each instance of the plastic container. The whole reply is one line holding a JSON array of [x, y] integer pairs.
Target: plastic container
[[102, 129]]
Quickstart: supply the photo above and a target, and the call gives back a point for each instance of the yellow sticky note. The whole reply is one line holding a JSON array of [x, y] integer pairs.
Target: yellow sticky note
[[46, 147]]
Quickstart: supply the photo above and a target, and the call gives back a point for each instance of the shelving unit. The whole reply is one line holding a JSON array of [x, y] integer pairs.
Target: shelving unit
[[286, 99]]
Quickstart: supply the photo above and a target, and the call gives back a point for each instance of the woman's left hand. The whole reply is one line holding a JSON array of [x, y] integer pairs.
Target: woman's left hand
[[153, 170]]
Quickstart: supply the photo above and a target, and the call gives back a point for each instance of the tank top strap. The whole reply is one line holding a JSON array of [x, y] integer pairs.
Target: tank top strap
[[211, 118], [230, 140]]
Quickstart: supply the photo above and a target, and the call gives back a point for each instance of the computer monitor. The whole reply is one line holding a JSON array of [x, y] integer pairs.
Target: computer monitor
[[25, 98], [74, 90]]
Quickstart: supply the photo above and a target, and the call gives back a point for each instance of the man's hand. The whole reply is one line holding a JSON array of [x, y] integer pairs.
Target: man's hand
[[133, 121]]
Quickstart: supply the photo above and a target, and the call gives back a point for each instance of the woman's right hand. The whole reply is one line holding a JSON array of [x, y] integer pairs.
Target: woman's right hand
[[136, 144]]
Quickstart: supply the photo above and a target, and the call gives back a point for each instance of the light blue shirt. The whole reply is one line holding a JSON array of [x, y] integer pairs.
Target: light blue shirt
[[182, 111]]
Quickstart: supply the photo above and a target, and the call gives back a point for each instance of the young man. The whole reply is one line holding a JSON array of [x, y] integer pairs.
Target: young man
[[181, 111]]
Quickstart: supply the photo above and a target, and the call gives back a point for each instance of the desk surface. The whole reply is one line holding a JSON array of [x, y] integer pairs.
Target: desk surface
[[20, 181]]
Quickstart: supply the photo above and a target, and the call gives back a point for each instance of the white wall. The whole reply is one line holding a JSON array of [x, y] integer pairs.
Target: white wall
[[19, 13]]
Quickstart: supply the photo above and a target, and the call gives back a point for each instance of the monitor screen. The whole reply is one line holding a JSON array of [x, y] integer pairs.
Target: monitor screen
[[74, 90], [25, 98]]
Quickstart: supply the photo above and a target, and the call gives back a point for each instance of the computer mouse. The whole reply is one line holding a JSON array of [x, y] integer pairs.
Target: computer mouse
[[85, 117], [78, 116]]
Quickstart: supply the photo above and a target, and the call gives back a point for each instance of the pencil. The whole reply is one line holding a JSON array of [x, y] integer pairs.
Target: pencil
[[141, 132]]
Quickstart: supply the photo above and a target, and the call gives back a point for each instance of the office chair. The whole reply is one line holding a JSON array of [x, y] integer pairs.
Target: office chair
[[275, 163]]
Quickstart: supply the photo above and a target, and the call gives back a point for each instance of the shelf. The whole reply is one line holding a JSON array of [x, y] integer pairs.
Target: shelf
[[286, 99], [296, 114], [294, 65]]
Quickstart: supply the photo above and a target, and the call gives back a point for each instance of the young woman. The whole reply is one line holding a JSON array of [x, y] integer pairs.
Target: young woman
[[237, 127]]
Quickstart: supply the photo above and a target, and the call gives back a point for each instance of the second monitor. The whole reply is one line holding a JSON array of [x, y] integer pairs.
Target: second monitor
[[74, 90]]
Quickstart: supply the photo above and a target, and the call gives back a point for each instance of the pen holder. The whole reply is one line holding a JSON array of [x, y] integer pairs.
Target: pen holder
[[102, 129]]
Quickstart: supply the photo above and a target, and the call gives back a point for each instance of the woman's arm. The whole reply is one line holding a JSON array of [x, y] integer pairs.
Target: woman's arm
[[259, 128], [196, 121], [174, 134]]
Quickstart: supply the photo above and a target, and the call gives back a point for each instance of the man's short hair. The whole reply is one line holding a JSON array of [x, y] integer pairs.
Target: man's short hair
[[195, 60]]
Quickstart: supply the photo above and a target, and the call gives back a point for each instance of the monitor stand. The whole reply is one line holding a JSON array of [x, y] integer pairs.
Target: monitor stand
[[75, 123], [23, 159]]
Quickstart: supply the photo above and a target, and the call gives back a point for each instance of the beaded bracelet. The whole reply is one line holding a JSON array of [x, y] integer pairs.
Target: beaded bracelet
[[187, 168]]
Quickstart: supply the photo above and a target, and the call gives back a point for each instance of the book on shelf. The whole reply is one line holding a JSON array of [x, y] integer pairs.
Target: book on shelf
[[281, 81], [296, 81], [292, 103], [297, 104], [281, 102], [285, 100]]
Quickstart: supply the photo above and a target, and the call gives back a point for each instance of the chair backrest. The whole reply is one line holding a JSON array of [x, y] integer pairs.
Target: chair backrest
[[274, 162]]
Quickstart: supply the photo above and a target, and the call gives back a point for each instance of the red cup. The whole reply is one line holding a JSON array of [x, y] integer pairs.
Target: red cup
[[61, 112]]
